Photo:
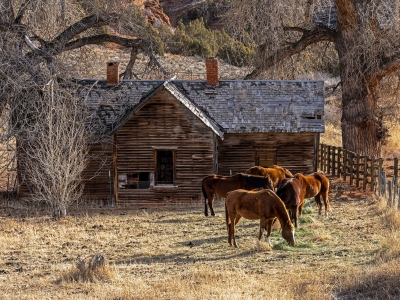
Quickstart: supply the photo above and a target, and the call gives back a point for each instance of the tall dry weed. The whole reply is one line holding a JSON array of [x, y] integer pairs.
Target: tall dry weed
[[94, 268]]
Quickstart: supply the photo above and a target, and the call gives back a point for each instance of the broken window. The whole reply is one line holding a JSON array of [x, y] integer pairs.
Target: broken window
[[164, 167]]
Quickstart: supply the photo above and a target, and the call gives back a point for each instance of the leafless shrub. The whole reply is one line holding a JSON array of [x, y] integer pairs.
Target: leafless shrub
[[92, 268]]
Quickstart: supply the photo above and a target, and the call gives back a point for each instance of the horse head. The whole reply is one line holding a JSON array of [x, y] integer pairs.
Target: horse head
[[255, 181], [288, 233]]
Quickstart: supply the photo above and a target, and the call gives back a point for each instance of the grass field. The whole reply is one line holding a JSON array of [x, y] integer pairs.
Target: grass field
[[177, 253]]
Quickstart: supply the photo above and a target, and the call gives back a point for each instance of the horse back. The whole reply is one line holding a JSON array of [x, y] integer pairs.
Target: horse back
[[313, 184], [254, 205], [291, 192]]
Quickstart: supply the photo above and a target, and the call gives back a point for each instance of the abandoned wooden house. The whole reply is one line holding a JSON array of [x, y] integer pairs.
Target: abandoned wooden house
[[157, 139]]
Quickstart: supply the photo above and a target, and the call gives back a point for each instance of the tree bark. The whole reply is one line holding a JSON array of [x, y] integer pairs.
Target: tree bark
[[361, 128]]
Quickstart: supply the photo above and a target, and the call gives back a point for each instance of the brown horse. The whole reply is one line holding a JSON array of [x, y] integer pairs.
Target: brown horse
[[277, 173], [291, 193], [222, 185], [315, 185], [262, 205]]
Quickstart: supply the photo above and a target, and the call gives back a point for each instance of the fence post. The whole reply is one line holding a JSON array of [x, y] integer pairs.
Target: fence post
[[328, 169], [339, 163], [321, 159], [344, 174], [333, 161], [351, 167], [390, 192], [383, 173], [365, 179], [395, 177], [358, 170], [372, 187], [393, 188], [383, 182]]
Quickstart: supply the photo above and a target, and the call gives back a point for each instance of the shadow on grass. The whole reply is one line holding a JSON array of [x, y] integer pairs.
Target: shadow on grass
[[184, 258]]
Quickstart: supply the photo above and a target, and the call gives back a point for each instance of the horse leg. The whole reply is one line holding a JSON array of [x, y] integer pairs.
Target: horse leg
[[262, 227], [233, 228], [296, 216], [209, 201], [211, 205], [230, 225], [326, 202], [318, 200], [268, 227]]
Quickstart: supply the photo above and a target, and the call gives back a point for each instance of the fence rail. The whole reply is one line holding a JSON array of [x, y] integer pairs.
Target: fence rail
[[376, 174]]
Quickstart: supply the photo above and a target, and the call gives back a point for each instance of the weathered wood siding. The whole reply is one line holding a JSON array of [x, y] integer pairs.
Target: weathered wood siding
[[98, 171], [165, 123], [294, 151]]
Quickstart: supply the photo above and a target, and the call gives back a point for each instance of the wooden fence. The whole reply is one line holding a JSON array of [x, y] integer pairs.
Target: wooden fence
[[376, 174]]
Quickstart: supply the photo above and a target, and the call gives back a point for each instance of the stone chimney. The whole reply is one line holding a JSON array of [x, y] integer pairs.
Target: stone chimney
[[212, 70], [112, 72]]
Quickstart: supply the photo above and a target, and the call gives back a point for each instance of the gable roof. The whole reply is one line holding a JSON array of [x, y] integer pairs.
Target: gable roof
[[233, 106]]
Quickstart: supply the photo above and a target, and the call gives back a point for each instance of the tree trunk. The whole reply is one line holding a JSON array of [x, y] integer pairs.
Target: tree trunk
[[361, 128], [361, 133]]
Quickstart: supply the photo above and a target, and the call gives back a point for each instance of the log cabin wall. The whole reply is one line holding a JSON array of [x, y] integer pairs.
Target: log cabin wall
[[239, 152], [163, 124]]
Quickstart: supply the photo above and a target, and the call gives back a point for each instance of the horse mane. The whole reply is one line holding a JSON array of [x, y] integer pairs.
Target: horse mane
[[282, 184], [255, 180]]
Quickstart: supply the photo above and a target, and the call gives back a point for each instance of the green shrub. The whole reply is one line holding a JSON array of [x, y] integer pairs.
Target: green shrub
[[196, 39]]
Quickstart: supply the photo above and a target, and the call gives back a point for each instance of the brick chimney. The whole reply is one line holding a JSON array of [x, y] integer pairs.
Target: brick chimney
[[112, 72], [212, 70]]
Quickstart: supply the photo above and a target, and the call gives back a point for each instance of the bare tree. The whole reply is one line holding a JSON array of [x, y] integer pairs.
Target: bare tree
[[365, 35], [41, 117], [54, 155]]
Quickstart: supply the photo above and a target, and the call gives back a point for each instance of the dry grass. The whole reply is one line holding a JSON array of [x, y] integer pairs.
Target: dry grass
[[332, 135], [177, 253], [392, 148]]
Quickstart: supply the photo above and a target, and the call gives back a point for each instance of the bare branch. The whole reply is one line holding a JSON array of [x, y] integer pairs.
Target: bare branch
[[21, 11], [392, 65], [7, 12], [79, 27], [128, 71], [102, 38], [41, 53], [314, 36]]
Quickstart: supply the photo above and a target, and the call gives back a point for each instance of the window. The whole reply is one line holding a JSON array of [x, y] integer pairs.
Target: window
[[134, 180], [266, 160], [164, 167]]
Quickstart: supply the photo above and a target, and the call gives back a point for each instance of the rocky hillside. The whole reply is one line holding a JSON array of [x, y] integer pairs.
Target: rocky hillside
[[170, 12]]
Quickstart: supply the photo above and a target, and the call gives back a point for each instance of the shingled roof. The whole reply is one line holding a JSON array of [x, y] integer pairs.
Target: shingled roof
[[232, 106]]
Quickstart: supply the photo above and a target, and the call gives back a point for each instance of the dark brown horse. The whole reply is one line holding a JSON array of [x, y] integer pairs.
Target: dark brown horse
[[222, 185], [277, 173], [262, 205], [316, 185], [291, 193]]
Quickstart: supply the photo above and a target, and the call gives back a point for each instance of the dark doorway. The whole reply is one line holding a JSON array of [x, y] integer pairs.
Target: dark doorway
[[165, 167]]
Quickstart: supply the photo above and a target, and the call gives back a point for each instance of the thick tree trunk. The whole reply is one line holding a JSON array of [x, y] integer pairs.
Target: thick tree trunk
[[361, 128], [361, 132]]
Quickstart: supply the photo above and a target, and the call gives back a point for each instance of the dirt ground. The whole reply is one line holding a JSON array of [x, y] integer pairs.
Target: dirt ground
[[177, 253]]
